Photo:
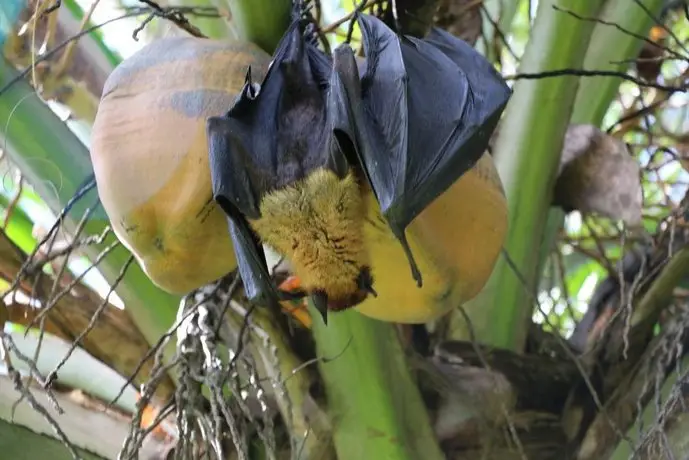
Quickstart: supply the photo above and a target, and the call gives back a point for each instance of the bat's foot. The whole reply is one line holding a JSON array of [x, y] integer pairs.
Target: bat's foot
[[292, 284], [322, 302], [296, 308], [160, 429]]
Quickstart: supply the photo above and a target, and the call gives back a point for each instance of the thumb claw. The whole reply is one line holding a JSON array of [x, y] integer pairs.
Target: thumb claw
[[320, 301]]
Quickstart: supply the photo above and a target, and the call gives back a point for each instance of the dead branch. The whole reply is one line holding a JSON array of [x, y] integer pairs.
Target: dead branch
[[115, 339]]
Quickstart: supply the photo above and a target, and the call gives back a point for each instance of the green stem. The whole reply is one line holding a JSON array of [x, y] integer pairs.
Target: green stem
[[261, 21], [595, 94], [527, 160], [374, 403], [19, 228], [500, 13]]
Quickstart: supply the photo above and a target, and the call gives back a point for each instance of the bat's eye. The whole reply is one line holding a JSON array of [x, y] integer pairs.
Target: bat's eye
[[295, 244], [339, 208]]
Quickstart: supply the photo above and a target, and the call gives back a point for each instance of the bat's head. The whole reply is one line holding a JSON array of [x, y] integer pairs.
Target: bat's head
[[317, 223]]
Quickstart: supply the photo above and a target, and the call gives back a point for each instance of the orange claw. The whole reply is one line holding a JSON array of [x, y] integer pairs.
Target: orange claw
[[291, 284], [296, 308], [148, 417]]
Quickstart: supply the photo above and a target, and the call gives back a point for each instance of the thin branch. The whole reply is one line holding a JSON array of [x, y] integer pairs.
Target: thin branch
[[623, 30], [595, 73]]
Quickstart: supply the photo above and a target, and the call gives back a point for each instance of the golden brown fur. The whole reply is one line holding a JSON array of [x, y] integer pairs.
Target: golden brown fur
[[317, 223]]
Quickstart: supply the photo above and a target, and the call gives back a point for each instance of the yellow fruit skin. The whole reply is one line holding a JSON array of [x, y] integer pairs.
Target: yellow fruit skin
[[150, 155], [455, 241]]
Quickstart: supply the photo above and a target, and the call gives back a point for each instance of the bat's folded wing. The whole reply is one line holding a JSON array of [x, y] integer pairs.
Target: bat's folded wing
[[237, 175], [433, 104], [423, 117]]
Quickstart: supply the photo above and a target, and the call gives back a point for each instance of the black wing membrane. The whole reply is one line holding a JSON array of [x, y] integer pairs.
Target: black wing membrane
[[272, 136], [429, 108]]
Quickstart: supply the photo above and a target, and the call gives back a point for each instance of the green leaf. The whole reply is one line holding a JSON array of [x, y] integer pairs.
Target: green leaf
[[527, 160], [595, 94]]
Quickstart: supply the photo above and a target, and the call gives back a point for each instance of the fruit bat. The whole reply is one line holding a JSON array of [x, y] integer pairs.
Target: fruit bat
[[292, 158]]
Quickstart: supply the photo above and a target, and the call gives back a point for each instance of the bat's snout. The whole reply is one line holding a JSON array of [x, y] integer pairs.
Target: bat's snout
[[339, 303], [363, 287]]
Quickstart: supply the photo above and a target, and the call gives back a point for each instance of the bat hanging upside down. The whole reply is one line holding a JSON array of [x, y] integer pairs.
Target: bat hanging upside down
[[369, 176]]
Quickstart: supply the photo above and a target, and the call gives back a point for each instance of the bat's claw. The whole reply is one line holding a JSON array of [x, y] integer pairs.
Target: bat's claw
[[290, 289], [415, 272], [320, 301], [291, 285]]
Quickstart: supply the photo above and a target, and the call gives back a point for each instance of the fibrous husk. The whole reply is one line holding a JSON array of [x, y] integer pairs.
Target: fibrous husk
[[598, 175]]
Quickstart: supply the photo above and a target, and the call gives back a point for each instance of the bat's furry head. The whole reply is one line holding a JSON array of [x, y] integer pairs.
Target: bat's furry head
[[317, 223]]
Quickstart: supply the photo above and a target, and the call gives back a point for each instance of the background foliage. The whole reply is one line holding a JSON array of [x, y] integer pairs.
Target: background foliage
[[575, 348]]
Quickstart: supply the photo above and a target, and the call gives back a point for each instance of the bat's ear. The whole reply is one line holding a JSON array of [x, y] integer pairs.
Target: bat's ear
[[250, 89]]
